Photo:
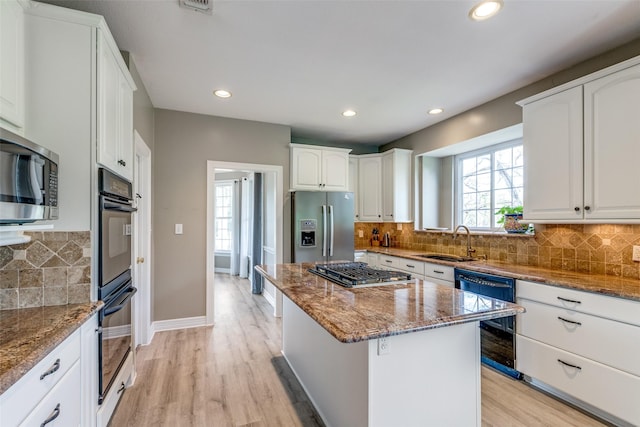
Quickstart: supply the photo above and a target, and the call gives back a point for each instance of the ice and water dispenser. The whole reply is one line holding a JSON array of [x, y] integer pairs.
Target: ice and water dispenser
[[308, 233]]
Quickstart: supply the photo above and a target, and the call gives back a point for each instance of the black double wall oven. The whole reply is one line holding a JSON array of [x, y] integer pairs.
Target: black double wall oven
[[114, 270]]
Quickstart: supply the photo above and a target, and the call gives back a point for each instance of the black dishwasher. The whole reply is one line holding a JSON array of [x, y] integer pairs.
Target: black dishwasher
[[497, 336]]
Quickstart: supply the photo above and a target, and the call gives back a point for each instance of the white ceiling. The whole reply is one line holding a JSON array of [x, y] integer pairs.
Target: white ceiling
[[301, 63]]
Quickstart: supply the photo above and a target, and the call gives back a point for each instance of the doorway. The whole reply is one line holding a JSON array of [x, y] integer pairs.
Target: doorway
[[268, 246]]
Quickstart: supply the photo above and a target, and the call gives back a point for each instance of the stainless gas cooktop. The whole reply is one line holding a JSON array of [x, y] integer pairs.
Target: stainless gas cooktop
[[359, 274]]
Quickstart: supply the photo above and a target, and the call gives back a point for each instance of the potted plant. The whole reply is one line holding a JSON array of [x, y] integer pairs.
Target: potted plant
[[510, 219]]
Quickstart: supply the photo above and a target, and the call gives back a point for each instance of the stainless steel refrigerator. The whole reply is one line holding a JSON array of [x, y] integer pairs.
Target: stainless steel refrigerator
[[322, 226]]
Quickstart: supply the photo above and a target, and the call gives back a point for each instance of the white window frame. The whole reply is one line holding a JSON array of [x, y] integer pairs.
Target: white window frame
[[459, 184], [232, 219]]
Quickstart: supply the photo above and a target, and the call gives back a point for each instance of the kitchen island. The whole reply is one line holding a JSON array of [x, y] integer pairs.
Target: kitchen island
[[391, 355]]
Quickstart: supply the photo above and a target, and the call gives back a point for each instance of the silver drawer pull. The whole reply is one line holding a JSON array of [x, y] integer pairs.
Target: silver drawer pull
[[54, 414], [569, 321], [51, 370], [438, 271], [569, 300], [122, 387], [410, 266], [570, 365], [388, 260]]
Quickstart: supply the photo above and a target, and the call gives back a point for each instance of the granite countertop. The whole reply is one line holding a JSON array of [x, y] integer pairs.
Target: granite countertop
[[27, 335], [358, 314], [601, 284]]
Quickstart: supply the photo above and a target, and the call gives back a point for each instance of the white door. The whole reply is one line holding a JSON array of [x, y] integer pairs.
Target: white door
[[370, 188], [142, 242]]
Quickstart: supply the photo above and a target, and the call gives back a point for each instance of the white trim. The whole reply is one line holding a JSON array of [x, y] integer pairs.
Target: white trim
[[142, 224], [184, 323], [270, 299], [582, 80], [212, 165], [222, 270]]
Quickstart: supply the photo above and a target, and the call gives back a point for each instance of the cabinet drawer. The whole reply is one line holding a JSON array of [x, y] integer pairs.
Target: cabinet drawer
[[19, 400], [439, 281], [390, 262], [438, 271], [411, 266], [606, 341], [608, 389], [63, 400], [620, 309]]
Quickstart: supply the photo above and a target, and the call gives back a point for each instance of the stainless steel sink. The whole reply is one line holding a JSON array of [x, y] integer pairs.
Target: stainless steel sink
[[442, 257]]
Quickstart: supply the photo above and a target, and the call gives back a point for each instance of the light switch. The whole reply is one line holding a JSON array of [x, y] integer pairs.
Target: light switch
[[178, 228]]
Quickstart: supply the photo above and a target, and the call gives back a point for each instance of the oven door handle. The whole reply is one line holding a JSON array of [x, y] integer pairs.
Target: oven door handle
[[483, 282], [122, 303], [120, 207]]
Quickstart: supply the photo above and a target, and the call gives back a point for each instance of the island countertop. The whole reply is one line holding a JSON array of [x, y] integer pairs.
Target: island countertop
[[359, 314]]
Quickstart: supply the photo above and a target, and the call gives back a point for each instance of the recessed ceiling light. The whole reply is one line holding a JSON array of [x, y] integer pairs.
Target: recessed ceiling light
[[485, 9], [349, 113], [435, 111], [221, 93]]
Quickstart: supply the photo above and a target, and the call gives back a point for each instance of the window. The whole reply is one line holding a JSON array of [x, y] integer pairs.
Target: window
[[224, 216], [488, 179]]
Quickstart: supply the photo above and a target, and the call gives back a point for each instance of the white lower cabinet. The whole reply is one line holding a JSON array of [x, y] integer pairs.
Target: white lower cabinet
[[599, 385], [440, 274], [584, 345], [61, 406], [54, 389]]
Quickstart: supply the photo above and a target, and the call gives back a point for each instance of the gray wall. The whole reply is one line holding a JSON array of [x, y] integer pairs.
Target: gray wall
[[183, 144], [503, 112]]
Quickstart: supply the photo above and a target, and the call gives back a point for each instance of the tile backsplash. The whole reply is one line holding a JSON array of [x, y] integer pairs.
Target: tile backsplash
[[593, 248], [54, 268]]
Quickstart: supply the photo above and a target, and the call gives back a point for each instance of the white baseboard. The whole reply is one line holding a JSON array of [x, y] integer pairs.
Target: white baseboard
[[222, 270], [171, 324], [270, 299], [116, 331]]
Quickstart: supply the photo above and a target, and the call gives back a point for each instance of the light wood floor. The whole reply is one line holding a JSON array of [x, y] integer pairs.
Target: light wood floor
[[233, 374]]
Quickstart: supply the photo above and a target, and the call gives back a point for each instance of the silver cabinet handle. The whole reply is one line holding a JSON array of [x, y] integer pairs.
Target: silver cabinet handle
[[570, 365], [122, 387], [569, 321], [51, 370], [410, 266], [54, 414], [569, 300], [438, 271]]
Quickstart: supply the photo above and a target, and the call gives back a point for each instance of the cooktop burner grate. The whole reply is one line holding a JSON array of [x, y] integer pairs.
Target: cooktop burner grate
[[353, 274]]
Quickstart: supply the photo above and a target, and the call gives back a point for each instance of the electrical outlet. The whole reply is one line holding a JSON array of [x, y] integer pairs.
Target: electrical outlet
[[606, 242], [399, 227], [383, 346], [178, 229], [636, 253], [360, 233]]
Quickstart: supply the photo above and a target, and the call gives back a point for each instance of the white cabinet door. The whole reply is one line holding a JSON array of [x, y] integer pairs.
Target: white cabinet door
[[396, 185], [612, 146], [115, 113], [370, 186], [125, 128], [12, 63], [108, 106], [353, 186], [306, 168], [335, 170], [553, 157]]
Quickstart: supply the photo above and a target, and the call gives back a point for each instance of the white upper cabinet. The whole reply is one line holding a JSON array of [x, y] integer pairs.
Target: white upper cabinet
[[553, 157], [396, 185], [370, 188], [115, 113], [612, 146], [12, 35], [319, 168], [581, 145], [353, 186]]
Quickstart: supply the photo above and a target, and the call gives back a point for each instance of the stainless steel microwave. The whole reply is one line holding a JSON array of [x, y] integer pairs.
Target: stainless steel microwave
[[28, 180]]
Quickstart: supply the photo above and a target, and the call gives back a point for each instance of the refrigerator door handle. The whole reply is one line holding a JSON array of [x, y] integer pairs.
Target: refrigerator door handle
[[331, 240], [324, 230]]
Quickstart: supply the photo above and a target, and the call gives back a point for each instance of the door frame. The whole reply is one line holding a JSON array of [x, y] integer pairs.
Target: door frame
[[212, 165], [143, 333]]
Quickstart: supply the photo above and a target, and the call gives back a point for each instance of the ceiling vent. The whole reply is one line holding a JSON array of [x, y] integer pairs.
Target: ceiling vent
[[204, 6]]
